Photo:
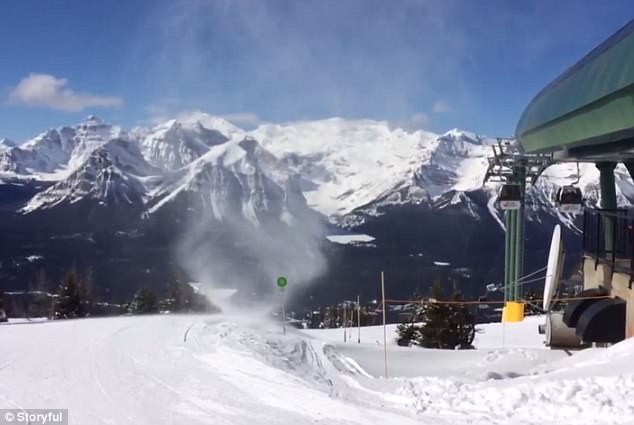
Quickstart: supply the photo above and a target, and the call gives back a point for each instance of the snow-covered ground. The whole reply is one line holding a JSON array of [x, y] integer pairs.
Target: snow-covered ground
[[506, 350], [229, 369]]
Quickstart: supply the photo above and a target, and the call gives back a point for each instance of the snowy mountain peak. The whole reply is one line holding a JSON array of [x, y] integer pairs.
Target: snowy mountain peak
[[345, 164], [112, 173], [458, 135], [6, 144], [43, 154], [340, 167], [93, 120], [126, 155], [174, 144], [95, 128], [197, 119], [228, 182], [56, 153]]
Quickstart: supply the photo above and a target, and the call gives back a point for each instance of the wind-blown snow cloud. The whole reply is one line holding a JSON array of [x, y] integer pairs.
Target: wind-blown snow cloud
[[234, 253], [419, 119], [416, 121], [168, 108], [49, 91], [248, 119], [441, 106], [282, 72]]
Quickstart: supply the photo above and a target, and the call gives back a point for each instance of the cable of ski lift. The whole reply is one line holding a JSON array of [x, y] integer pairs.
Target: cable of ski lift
[[492, 287], [615, 213], [532, 273], [436, 301], [537, 279]]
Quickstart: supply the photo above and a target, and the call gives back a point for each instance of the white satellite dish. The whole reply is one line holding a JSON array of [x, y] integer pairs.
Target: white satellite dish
[[554, 267]]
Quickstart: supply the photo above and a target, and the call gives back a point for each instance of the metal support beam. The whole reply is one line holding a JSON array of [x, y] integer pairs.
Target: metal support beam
[[512, 255], [507, 255], [519, 238], [630, 167], [511, 165], [608, 199]]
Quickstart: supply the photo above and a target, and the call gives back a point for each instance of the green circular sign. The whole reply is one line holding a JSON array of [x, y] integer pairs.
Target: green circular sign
[[282, 282]]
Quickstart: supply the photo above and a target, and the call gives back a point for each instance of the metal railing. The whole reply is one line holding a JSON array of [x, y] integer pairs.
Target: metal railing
[[608, 236]]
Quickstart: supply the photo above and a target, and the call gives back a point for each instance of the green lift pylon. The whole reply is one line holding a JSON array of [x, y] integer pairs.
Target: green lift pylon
[[509, 165], [514, 239]]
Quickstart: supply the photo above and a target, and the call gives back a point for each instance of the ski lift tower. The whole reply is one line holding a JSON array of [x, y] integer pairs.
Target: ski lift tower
[[512, 167]]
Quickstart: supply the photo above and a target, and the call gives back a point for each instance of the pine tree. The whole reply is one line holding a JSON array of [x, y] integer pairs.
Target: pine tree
[[182, 297], [39, 299], [86, 288], [71, 300], [175, 301], [144, 302], [434, 317], [461, 325], [409, 332], [437, 324], [3, 314]]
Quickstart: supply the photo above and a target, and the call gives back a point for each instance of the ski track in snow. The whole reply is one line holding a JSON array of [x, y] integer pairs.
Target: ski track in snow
[[181, 369]]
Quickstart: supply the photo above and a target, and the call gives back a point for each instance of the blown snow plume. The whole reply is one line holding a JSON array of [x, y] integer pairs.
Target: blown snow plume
[[275, 234]]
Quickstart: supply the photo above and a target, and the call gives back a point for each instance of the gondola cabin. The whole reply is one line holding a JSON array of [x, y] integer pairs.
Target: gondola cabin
[[569, 199], [510, 197]]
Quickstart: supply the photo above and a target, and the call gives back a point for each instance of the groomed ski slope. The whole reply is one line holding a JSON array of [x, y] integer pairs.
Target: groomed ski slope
[[227, 369]]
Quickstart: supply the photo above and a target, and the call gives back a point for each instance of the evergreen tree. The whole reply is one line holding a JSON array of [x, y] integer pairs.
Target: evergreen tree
[[434, 319], [409, 332], [331, 317], [3, 314], [435, 324], [182, 297], [72, 298], [461, 325], [39, 304], [87, 286], [144, 302]]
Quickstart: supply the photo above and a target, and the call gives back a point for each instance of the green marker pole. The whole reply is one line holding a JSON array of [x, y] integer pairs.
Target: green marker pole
[[281, 283], [283, 311]]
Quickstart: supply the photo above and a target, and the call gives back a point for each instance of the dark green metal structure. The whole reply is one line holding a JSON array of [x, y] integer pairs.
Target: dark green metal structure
[[584, 115], [589, 105], [509, 165], [514, 240]]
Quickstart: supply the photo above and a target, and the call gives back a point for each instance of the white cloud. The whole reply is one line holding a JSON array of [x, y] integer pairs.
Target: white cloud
[[441, 106], [419, 119], [303, 71], [172, 107], [162, 110], [243, 118], [51, 92]]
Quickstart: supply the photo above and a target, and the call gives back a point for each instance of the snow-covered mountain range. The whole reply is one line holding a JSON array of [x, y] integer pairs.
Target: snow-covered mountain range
[[346, 170], [136, 205]]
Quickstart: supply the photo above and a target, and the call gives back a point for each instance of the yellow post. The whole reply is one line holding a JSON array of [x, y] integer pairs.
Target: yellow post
[[512, 312]]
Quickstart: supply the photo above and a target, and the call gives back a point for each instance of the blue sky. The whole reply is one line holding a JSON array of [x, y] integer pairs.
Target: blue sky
[[432, 64]]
